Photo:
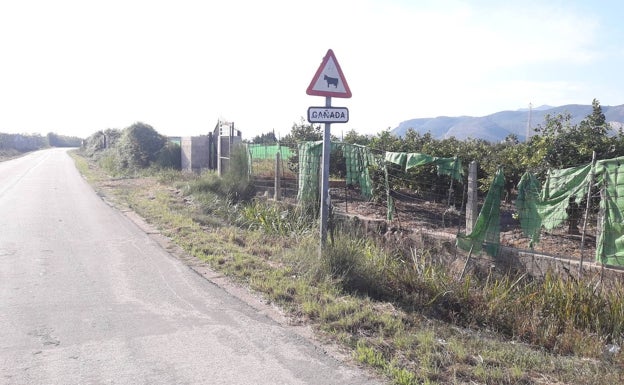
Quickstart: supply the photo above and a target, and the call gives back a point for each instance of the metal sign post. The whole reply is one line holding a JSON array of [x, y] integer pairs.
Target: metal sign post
[[325, 175], [328, 81]]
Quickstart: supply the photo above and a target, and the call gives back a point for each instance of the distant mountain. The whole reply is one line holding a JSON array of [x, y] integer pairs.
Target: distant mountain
[[498, 126], [540, 108]]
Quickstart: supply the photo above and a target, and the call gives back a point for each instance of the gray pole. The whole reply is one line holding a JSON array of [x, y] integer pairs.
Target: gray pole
[[325, 179], [472, 211], [587, 207]]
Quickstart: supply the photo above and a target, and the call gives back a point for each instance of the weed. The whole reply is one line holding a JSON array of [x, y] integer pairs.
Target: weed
[[276, 219]]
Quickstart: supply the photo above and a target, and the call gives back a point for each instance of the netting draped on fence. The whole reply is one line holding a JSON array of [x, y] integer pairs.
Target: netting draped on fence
[[538, 206], [264, 151], [566, 196], [445, 166], [487, 226], [358, 159], [309, 171], [549, 206], [610, 245], [558, 202], [529, 190], [562, 188]]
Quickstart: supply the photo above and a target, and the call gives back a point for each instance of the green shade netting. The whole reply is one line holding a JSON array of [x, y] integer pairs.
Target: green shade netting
[[451, 167], [526, 205], [263, 151], [415, 160], [560, 185], [358, 159], [309, 170], [487, 227], [445, 166], [547, 206], [396, 158], [610, 244]]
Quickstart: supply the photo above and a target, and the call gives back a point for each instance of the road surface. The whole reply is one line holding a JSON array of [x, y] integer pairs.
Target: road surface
[[87, 297]]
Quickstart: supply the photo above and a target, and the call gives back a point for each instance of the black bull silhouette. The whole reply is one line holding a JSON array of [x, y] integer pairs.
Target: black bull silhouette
[[331, 81]]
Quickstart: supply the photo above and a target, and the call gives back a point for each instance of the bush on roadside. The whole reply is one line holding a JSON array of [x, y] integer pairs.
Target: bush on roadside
[[169, 156], [139, 146], [108, 159]]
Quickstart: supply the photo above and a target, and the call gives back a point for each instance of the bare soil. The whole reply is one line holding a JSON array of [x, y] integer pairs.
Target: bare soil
[[417, 215], [413, 214]]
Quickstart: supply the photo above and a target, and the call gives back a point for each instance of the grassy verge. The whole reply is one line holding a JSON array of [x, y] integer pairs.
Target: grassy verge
[[8, 154], [402, 314]]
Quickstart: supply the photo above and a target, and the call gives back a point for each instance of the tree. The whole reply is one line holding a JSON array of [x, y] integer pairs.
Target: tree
[[386, 141], [594, 134], [557, 141], [352, 137], [139, 146], [55, 140], [304, 132], [561, 144], [267, 138], [511, 155], [596, 121], [169, 156]]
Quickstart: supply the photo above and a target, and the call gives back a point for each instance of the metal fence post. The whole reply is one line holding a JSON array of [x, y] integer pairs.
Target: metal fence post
[[587, 208], [278, 180]]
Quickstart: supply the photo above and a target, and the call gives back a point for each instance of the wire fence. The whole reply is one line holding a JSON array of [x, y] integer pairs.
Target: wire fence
[[574, 213]]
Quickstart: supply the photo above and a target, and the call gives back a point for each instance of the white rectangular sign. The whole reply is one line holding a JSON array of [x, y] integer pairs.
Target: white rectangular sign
[[328, 115]]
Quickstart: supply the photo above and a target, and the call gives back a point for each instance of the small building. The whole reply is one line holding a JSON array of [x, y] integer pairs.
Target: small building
[[195, 153], [210, 151]]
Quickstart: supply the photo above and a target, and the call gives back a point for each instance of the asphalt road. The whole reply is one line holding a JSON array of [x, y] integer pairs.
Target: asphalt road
[[87, 297]]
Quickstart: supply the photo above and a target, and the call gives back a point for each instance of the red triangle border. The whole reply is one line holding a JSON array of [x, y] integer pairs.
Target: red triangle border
[[310, 91]]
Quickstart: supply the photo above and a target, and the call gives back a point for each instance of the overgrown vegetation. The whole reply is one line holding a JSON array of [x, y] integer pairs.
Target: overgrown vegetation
[[131, 150]]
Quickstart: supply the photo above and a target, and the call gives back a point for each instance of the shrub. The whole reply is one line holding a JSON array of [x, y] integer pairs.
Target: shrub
[[236, 184], [108, 159], [139, 146], [273, 218], [169, 156]]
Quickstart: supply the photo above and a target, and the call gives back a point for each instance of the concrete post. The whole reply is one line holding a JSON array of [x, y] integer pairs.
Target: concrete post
[[472, 206]]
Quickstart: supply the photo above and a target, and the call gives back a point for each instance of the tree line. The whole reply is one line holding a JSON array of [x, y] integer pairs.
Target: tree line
[[555, 143], [31, 142]]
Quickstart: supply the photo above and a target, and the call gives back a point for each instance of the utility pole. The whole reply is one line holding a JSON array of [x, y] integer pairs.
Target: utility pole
[[528, 128]]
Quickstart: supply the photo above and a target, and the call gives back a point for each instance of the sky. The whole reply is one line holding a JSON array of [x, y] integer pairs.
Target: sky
[[74, 67]]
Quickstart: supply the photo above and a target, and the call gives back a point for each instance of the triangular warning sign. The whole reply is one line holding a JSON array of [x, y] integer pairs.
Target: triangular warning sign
[[329, 80]]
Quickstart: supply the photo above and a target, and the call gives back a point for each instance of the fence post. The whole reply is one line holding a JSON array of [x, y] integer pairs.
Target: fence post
[[450, 190], [600, 228], [587, 208], [278, 180], [472, 205]]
